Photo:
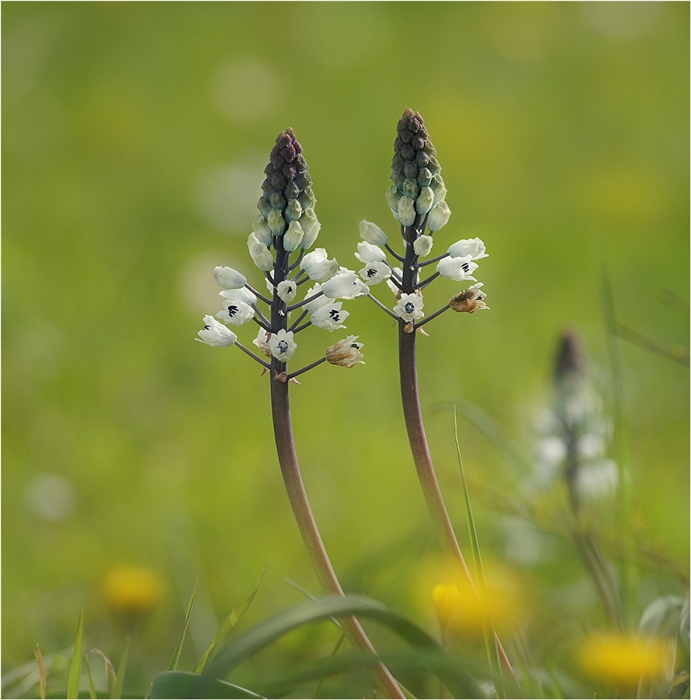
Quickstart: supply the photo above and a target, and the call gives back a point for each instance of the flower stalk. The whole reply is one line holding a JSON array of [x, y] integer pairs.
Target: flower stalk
[[417, 201], [287, 223]]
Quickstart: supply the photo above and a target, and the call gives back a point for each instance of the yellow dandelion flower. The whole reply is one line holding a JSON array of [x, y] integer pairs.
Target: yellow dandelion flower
[[463, 611], [132, 590], [625, 660]]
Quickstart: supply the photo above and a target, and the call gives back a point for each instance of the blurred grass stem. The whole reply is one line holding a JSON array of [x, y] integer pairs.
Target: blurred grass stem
[[287, 457]]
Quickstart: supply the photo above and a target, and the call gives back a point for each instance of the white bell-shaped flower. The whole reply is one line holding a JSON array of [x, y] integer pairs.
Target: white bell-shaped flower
[[367, 253], [457, 269], [375, 272], [473, 247], [236, 313], [330, 316], [216, 334], [409, 307], [317, 265], [282, 345], [345, 285], [287, 290], [243, 294]]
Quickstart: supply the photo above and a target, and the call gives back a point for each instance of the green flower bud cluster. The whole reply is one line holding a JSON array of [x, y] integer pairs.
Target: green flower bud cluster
[[416, 174], [287, 203]]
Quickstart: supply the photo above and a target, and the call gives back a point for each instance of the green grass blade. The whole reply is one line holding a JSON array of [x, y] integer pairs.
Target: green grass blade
[[110, 671], [76, 665], [122, 668], [178, 647], [333, 653], [41, 672], [180, 684], [90, 679], [488, 624], [253, 640], [629, 574], [226, 626]]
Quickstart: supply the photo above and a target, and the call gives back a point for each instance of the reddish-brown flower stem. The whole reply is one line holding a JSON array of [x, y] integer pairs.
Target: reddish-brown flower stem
[[424, 464], [292, 478]]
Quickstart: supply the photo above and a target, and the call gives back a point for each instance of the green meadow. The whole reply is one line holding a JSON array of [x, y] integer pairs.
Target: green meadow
[[135, 136]]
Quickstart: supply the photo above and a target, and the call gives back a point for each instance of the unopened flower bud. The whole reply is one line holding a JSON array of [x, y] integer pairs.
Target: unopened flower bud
[[261, 228], [372, 233], [424, 201], [410, 189], [276, 222], [228, 278], [392, 197], [423, 246], [310, 226], [293, 236], [469, 300], [438, 216], [293, 211], [307, 199], [262, 342], [346, 352], [406, 211], [260, 253]]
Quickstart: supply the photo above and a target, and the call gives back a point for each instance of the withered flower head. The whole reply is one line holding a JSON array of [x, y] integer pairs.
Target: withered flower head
[[469, 300]]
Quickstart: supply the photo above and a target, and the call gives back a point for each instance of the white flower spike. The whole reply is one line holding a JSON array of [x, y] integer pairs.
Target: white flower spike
[[216, 334], [409, 307], [282, 345]]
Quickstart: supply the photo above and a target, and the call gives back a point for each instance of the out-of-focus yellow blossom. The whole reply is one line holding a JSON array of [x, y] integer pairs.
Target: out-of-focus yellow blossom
[[462, 611], [626, 660], [132, 591]]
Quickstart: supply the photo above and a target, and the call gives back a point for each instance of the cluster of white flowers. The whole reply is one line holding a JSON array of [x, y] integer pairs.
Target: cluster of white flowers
[[321, 302], [457, 264]]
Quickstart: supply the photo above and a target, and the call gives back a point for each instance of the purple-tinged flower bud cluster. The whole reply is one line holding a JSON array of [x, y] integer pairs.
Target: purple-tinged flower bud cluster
[[416, 174], [287, 202]]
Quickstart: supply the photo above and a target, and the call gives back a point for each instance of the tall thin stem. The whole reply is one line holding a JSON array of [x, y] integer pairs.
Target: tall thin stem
[[287, 457], [423, 461]]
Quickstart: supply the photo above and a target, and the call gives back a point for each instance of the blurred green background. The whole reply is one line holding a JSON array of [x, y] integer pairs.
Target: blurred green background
[[134, 139]]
